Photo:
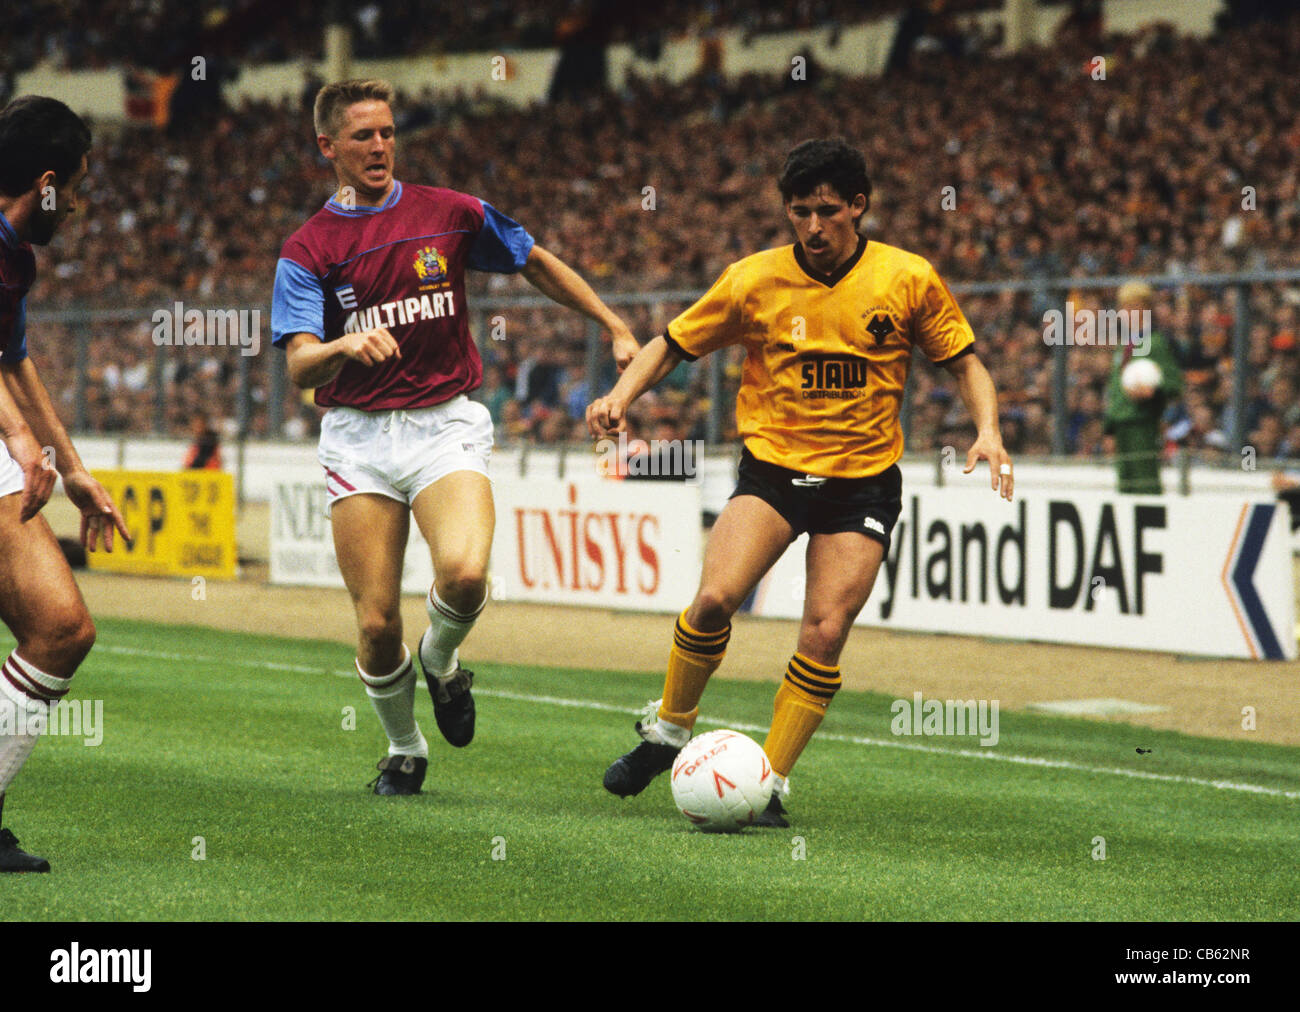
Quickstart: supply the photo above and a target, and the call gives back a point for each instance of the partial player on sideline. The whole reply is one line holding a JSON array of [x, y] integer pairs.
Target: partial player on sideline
[[43, 148], [828, 325], [370, 306]]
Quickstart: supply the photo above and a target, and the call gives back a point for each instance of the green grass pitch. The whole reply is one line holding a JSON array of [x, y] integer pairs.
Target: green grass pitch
[[241, 741]]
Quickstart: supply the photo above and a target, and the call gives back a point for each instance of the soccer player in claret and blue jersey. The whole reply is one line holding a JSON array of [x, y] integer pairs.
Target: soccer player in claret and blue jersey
[[369, 305], [43, 148]]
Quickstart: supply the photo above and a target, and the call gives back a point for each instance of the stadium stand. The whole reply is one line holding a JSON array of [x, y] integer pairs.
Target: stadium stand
[[1054, 174]]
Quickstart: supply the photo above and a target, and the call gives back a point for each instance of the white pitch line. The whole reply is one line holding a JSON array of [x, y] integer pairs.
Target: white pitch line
[[588, 704], [162, 655], [1065, 764]]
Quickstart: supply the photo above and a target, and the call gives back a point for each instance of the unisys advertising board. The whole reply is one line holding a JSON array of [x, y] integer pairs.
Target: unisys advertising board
[[627, 544], [613, 544]]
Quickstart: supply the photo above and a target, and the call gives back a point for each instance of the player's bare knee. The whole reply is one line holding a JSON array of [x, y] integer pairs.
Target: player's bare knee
[[462, 587], [84, 637], [379, 627], [822, 639], [711, 609], [61, 643]]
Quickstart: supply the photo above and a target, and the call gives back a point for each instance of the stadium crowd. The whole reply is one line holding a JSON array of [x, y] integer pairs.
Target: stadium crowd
[[1184, 158], [79, 34]]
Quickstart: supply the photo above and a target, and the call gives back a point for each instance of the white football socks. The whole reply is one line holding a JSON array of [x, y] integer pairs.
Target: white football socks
[[26, 695], [670, 733], [393, 697], [447, 630]]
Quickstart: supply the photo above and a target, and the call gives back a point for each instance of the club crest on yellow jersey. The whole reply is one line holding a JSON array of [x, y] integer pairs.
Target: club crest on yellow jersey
[[879, 324]]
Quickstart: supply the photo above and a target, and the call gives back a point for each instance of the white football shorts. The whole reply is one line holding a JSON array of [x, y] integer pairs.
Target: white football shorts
[[11, 475], [401, 453]]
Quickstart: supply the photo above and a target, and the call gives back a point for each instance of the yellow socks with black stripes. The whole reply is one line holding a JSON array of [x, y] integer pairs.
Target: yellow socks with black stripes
[[694, 657], [801, 703]]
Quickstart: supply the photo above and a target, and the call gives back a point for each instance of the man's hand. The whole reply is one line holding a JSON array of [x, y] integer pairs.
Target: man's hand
[[606, 415], [989, 447], [561, 283], [98, 513], [370, 347], [625, 347], [313, 362], [39, 474], [652, 363]]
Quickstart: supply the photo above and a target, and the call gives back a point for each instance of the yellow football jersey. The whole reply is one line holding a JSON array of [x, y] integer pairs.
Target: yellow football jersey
[[826, 356]]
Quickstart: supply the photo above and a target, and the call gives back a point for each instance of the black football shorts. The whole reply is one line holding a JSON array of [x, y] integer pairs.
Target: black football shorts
[[825, 505]]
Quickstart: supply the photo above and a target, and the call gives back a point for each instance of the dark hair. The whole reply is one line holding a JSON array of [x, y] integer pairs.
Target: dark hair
[[38, 134], [832, 161]]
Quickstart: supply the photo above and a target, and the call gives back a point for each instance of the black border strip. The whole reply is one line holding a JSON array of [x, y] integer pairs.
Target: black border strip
[[677, 349], [968, 350], [830, 280]]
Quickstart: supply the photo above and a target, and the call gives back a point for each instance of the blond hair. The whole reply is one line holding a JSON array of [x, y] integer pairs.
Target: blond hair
[[333, 100], [1138, 292]]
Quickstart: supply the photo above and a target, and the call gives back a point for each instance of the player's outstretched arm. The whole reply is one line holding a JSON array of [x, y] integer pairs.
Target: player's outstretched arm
[[55, 452], [312, 362], [981, 399], [652, 363], [561, 283]]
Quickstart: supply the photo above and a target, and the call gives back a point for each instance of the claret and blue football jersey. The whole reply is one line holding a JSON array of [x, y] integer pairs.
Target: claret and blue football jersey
[[17, 272], [399, 265]]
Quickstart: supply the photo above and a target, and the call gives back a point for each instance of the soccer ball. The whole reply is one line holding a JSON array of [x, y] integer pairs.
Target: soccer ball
[[722, 781], [1140, 378]]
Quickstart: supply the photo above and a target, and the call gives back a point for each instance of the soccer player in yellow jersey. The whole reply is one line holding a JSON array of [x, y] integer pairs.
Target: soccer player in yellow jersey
[[828, 325]]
